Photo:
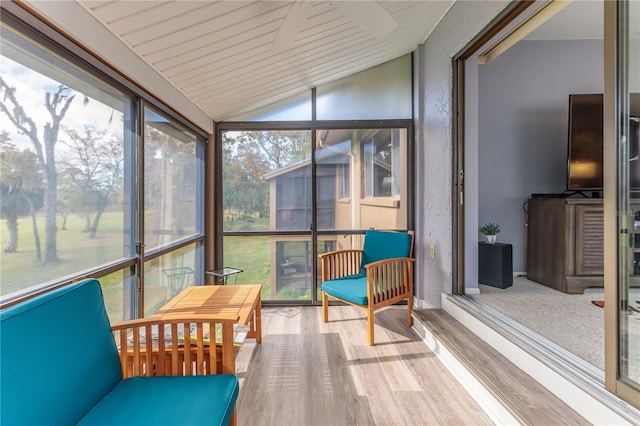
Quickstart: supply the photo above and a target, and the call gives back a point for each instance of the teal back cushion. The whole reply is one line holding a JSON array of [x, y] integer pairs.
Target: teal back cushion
[[379, 245], [58, 356]]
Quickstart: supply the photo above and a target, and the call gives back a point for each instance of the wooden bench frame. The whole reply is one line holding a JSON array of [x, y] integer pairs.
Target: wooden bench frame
[[179, 354]]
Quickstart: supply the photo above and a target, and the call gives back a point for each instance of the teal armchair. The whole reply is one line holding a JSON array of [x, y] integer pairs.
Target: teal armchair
[[379, 275]]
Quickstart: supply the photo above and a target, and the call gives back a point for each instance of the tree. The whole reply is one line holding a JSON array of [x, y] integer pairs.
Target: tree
[[248, 156], [278, 148], [57, 105], [21, 187], [170, 178], [92, 173]]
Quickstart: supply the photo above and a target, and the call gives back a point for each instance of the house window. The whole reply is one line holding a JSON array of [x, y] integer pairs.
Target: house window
[[380, 153], [344, 173]]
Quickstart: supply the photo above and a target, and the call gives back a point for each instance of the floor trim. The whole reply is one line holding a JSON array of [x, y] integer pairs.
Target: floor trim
[[573, 380]]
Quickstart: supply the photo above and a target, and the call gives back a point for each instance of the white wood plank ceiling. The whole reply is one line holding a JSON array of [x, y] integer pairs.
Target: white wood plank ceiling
[[224, 56]]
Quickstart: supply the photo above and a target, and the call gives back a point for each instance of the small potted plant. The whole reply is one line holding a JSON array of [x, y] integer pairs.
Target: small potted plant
[[490, 230]]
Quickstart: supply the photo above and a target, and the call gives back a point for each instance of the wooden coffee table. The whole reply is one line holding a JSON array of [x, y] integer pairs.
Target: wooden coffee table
[[228, 305]]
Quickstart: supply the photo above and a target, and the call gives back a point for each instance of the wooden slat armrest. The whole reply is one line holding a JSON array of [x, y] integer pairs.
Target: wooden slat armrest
[[339, 253], [123, 325], [381, 263], [154, 347], [389, 280], [339, 263]]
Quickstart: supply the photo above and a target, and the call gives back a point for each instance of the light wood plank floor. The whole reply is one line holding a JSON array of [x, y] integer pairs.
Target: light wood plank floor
[[309, 373], [525, 398]]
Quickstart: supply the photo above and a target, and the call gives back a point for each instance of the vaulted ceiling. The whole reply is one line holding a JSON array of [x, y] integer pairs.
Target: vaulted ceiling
[[230, 57]]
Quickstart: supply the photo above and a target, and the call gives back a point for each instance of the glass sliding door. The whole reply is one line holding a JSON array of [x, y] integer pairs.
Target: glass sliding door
[[628, 223], [622, 229]]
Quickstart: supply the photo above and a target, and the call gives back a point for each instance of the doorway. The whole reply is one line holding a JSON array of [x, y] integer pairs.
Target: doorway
[[512, 147]]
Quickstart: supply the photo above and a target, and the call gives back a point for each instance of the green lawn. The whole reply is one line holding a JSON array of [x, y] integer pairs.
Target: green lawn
[[251, 254], [76, 252]]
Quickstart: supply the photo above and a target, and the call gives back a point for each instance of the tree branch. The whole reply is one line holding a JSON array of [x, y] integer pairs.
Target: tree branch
[[18, 117]]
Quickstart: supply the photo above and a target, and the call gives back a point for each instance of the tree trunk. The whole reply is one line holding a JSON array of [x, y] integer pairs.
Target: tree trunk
[[96, 222], [64, 221], [50, 201], [87, 223], [46, 159], [12, 233], [34, 225]]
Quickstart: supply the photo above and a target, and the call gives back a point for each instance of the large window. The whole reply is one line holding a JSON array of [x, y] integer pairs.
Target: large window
[[267, 201], [361, 179], [73, 171], [283, 206], [266, 180], [314, 180], [65, 206], [171, 181]]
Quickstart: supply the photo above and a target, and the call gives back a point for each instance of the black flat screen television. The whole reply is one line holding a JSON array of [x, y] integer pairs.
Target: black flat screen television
[[584, 160], [585, 165]]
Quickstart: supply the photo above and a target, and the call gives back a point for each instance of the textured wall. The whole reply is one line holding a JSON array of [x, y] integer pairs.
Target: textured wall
[[523, 122], [434, 145]]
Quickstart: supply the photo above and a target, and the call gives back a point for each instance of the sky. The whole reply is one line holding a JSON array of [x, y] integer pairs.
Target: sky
[[30, 89]]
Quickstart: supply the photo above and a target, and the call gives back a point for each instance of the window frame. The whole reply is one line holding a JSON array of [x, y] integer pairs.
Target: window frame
[[21, 20]]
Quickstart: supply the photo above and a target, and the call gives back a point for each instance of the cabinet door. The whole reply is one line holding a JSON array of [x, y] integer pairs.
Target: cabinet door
[[589, 254]]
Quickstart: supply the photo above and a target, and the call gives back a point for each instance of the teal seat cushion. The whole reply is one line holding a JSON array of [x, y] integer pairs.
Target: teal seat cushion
[[379, 245], [58, 356], [184, 400], [352, 288]]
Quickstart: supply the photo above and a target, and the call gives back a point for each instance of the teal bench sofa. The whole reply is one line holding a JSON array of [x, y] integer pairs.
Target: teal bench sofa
[[60, 366]]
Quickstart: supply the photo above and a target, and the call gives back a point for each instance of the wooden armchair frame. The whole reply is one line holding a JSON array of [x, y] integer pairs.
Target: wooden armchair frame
[[389, 281]]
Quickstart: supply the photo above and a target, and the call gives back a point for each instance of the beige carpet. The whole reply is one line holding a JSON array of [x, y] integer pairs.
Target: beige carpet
[[569, 320]]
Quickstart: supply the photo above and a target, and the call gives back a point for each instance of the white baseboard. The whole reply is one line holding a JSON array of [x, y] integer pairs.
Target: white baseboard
[[422, 304]]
